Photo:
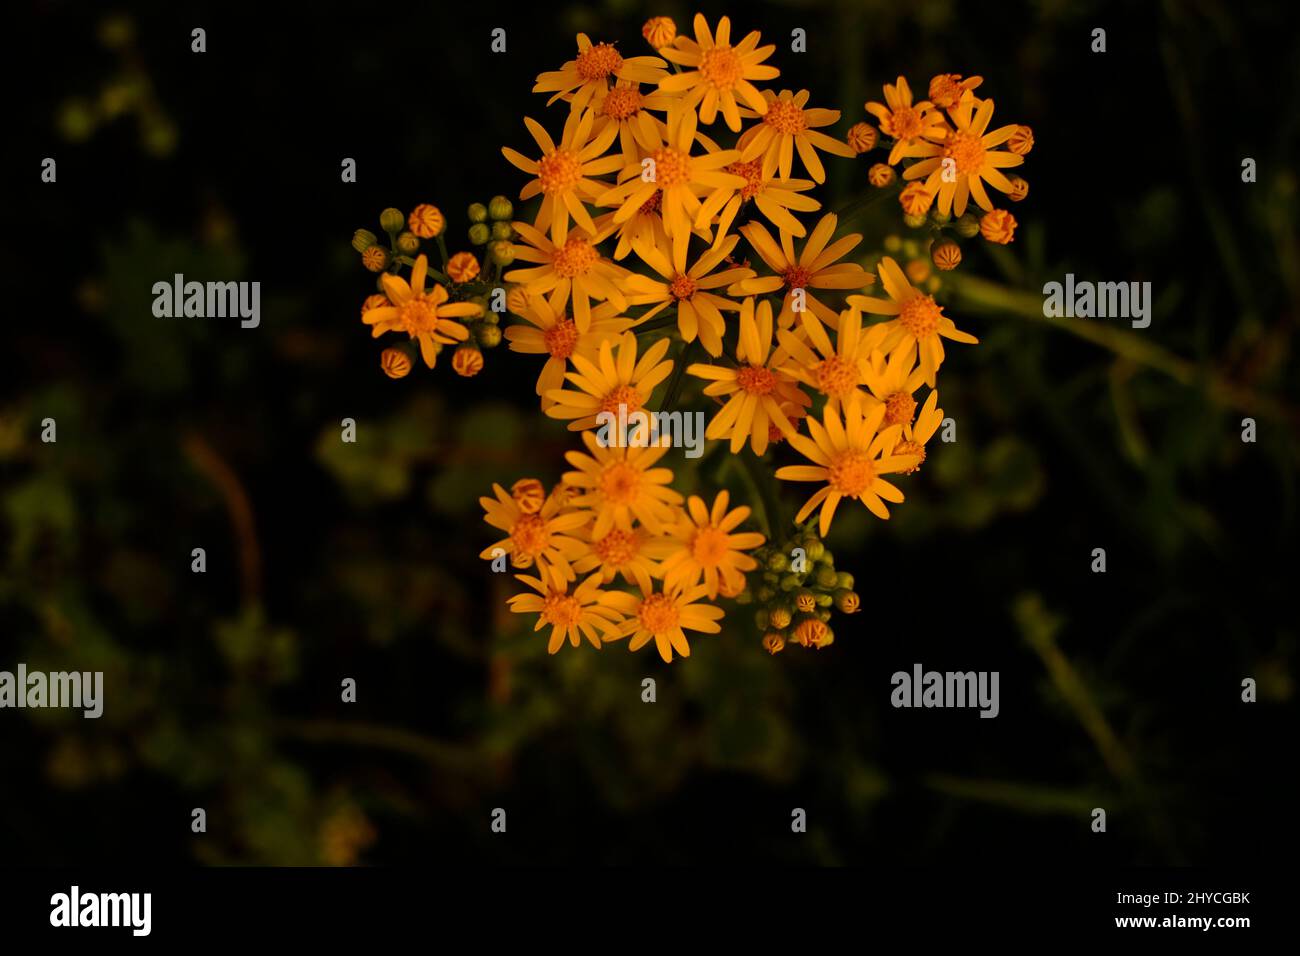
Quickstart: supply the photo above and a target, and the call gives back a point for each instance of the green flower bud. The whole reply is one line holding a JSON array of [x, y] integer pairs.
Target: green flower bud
[[778, 562], [814, 548], [825, 599], [789, 582], [363, 239], [844, 580], [914, 222], [502, 230], [826, 578], [760, 618], [939, 218], [824, 614], [502, 252], [479, 234], [477, 212], [745, 597], [489, 336], [765, 593], [392, 221], [491, 318], [408, 243], [501, 209], [968, 226]]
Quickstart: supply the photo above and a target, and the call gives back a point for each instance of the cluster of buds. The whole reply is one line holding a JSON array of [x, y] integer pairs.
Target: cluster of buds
[[462, 276], [797, 591]]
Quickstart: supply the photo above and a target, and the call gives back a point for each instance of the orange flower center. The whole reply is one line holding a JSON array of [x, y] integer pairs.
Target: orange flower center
[[911, 448], [598, 62], [562, 609], [966, 150], [574, 258], [620, 483], [756, 380], [622, 102], [618, 547], [899, 408], [530, 536], [752, 173], [836, 377], [920, 315], [721, 67], [559, 171], [851, 472], [682, 287], [709, 547], [672, 167], [623, 395], [796, 277], [658, 614], [905, 123], [785, 116], [419, 315], [561, 338]]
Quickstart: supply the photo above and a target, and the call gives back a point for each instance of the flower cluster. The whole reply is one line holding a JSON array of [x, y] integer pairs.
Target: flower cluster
[[673, 236]]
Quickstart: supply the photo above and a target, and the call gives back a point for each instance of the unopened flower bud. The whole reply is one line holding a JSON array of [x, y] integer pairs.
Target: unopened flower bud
[[880, 175], [659, 32], [391, 220], [779, 618], [426, 221], [463, 267], [946, 255], [480, 233], [968, 225], [489, 336], [467, 361], [375, 258], [502, 252], [998, 226], [862, 137], [847, 602], [395, 363], [773, 642], [477, 212], [500, 208], [363, 239], [408, 243]]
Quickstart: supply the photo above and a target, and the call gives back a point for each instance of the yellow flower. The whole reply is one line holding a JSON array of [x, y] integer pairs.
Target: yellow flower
[[837, 371], [698, 309], [621, 485], [626, 108], [543, 538], [946, 89], [709, 547], [998, 226], [571, 615], [586, 79], [915, 437], [911, 125], [814, 268], [774, 198], [659, 31], [759, 394], [850, 457], [633, 554], [463, 267], [892, 382], [573, 270], [563, 173], [974, 159], [426, 316], [664, 618], [426, 221], [786, 128], [680, 179], [609, 382], [552, 333], [919, 324], [719, 72]]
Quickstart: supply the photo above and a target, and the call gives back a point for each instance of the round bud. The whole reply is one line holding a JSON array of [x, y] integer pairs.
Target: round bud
[[477, 212], [825, 599], [773, 642], [778, 562], [375, 259], [765, 593], [848, 602], [502, 230], [363, 239], [502, 252], [827, 578], [489, 336], [501, 209], [814, 548], [391, 220], [968, 226], [946, 255], [760, 618], [789, 582], [467, 361], [746, 596], [395, 363], [479, 234], [408, 243], [844, 580], [914, 222], [779, 618]]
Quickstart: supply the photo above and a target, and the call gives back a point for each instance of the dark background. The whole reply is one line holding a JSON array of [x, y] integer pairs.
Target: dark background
[[360, 561]]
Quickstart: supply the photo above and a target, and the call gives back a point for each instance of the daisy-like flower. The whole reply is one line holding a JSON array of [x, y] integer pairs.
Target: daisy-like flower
[[610, 381], [919, 321], [849, 456], [814, 268], [564, 172], [664, 618], [786, 127], [553, 333], [574, 270], [621, 484], [893, 381], [774, 198], [679, 178], [946, 89], [583, 612], [719, 72], [975, 160], [912, 125], [915, 436], [625, 108], [699, 311], [426, 316], [761, 398], [586, 79], [709, 547], [544, 538], [635, 555], [836, 370]]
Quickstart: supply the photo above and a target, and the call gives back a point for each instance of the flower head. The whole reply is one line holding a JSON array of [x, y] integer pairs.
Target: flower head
[[552, 332], [717, 72], [910, 124], [609, 381], [572, 614], [544, 538], [787, 127], [621, 484], [573, 270], [426, 316], [586, 78], [664, 618], [709, 547]]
